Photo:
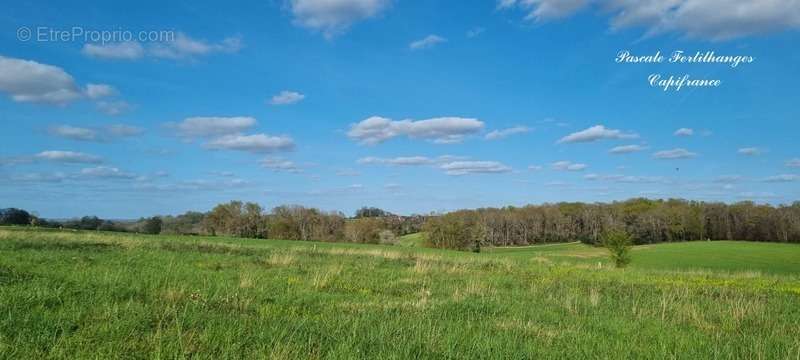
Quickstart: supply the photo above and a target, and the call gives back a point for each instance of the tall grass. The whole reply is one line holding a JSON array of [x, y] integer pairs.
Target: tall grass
[[97, 295]]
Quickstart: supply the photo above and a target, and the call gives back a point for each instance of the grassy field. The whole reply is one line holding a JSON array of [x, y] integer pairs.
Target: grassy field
[[102, 295]]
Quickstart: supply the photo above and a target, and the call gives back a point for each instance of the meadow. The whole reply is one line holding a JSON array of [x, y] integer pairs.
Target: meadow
[[73, 294]]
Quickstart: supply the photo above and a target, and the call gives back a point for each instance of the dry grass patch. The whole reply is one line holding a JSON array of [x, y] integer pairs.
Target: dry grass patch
[[281, 259]]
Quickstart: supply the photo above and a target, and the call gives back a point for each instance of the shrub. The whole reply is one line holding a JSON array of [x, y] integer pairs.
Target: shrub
[[152, 225], [618, 243]]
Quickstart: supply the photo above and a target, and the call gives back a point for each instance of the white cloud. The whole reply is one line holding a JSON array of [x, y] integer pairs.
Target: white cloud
[[627, 149], [334, 17], [678, 153], [96, 91], [55, 177], [257, 143], [106, 133], [627, 179], [347, 172], [750, 151], [504, 133], [280, 165], [209, 126], [426, 42], [106, 172], [114, 108], [684, 132], [793, 163], [534, 168], [398, 161], [74, 133], [596, 133], [728, 179], [545, 9], [130, 50], [474, 167], [410, 160], [68, 157], [707, 19], [783, 178], [568, 166], [122, 130], [444, 130], [475, 32], [185, 47], [287, 97], [30, 81], [180, 47]]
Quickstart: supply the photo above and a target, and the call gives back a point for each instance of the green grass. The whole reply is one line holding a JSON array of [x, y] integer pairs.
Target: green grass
[[411, 240], [102, 295], [728, 256]]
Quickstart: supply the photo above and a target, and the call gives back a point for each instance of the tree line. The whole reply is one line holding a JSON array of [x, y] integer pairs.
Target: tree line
[[647, 221], [294, 222]]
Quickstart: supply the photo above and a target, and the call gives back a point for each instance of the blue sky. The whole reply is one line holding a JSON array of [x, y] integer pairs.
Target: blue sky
[[410, 106]]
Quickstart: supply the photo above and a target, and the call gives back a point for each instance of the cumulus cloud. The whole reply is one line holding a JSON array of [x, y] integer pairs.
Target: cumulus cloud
[[750, 151], [257, 143], [106, 172], [55, 177], [568, 166], [452, 165], [444, 130], [398, 161], [103, 134], [678, 153], [287, 97], [628, 179], [684, 132], [210, 126], [30, 81], [97, 91], [114, 108], [68, 157], [545, 9], [474, 167], [504, 133], [227, 133], [596, 133], [281, 165], [181, 46], [782, 178], [129, 50], [793, 163], [426, 42], [74, 133], [706, 19], [122, 130], [334, 17], [627, 149]]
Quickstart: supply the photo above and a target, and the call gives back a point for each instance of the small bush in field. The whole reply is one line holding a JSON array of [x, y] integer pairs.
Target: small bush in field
[[618, 243]]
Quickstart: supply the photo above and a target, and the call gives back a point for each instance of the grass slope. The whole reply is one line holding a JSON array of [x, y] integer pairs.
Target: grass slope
[[730, 256], [100, 295]]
